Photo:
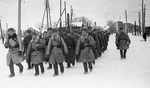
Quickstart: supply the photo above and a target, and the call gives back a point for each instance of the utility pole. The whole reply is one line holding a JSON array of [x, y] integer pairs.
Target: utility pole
[[126, 26], [126, 16], [140, 22], [142, 17], [48, 16], [49, 12], [65, 14], [19, 25], [2, 37], [60, 15], [135, 28], [68, 21], [71, 14], [19, 15], [60, 18]]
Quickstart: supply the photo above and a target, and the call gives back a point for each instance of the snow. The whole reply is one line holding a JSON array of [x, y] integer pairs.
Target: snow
[[109, 72]]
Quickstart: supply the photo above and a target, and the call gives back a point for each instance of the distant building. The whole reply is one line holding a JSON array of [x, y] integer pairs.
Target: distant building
[[32, 29], [119, 24], [77, 24], [127, 26], [147, 30]]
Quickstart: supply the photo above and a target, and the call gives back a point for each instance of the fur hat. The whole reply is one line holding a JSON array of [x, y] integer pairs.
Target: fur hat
[[28, 31], [54, 30], [11, 29], [49, 29], [34, 33]]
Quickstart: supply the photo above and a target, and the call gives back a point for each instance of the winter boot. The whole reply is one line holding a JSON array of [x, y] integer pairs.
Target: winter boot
[[11, 75]]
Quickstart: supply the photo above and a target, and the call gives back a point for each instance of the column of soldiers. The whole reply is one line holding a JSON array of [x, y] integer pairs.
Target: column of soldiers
[[56, 47]]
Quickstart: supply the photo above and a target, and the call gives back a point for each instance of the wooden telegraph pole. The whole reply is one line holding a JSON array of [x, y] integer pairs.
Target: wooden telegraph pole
[[142, 17], [59, 18], [68, 21], [135, 28], [19, 25], [140, 22], [2, 37], [65, 14], [126, 26], [49, 12], [48, 16], [19, 15], [71, 14], [60, 14]]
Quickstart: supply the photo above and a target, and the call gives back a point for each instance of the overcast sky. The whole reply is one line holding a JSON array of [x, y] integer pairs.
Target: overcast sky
[[97, 10]]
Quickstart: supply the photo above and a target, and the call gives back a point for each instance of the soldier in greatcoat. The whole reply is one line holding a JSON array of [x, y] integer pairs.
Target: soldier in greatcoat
[[100, 42], [55, 50], [71, 44], [123, 41], [84, 50], [26, 40], [96, 49], [36, 48], [47, 37], [144, 36], [14, 55]]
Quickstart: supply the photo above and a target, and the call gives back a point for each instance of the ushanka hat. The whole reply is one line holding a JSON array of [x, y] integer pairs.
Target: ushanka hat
[[54, 30], [28, 31], [49, 29], [11, 29], [34, 33]]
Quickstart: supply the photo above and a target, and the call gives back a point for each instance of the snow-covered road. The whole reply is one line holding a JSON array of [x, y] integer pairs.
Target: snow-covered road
[[109, 72]]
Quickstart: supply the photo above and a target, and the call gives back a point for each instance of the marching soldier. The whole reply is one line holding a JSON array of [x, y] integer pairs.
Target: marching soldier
[[71, 44], [47, 36], [123, 42], [14, 55], [96, 50], [100, 42], [56, 49], [144, 36], [36, 48], [26, 41], [84, 50]]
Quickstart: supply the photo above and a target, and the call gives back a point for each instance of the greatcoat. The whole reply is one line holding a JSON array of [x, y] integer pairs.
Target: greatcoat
[[56, 49], [84, 50], [13, 53], [36, 49]]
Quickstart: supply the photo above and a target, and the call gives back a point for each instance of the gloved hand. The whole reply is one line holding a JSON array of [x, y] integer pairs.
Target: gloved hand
[[20, 53], [87, 41], [117, 45], [128, 43], [6, 45]]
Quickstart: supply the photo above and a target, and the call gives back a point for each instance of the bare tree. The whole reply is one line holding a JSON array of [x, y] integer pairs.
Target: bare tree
[[39, 26], [112, 26]]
